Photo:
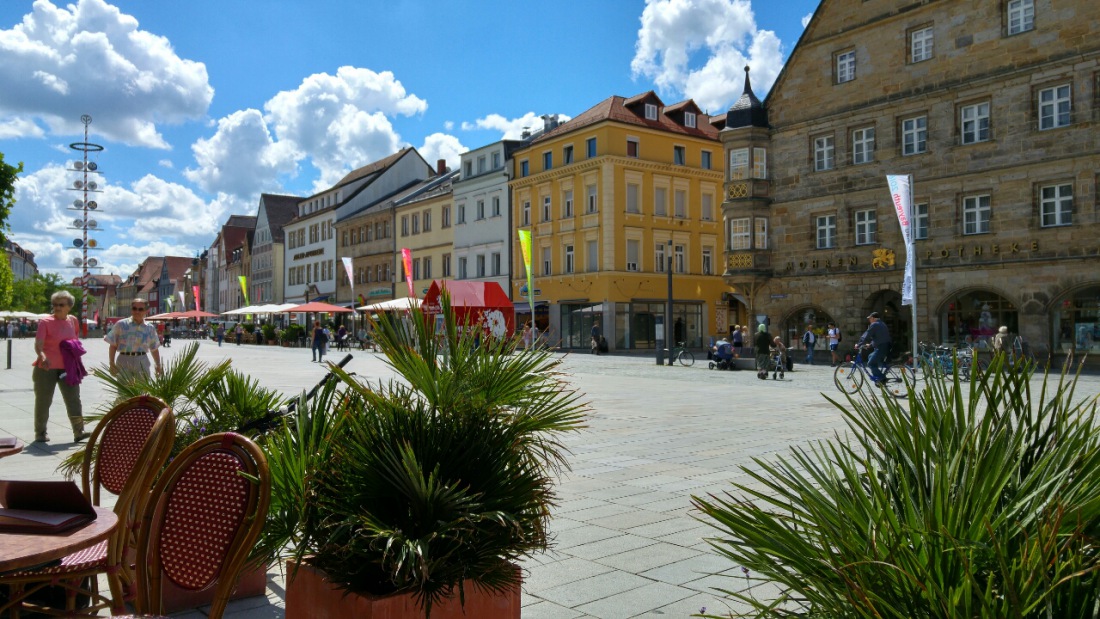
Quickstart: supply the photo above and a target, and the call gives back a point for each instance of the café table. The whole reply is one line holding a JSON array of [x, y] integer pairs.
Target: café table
[[20, 551], [11, 451]]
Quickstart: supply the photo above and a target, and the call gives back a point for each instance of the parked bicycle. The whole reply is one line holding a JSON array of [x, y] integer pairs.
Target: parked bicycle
[[850, 376], [682, 354], [941, 360]]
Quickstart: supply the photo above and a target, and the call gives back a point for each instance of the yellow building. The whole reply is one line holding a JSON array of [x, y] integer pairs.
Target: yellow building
[[424, 227], [611, 196]]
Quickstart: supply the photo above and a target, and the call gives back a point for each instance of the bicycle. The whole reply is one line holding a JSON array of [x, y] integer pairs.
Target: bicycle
[[681, 354], [850, 376]]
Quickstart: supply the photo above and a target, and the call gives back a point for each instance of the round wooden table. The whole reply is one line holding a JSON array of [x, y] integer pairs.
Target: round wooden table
[[26, 550], [11, 451]]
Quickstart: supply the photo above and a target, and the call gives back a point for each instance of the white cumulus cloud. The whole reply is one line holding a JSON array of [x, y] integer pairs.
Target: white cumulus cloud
[[510, 128], [241, 157], [442, 146], [45, 64], [806, 19], [674, 34]]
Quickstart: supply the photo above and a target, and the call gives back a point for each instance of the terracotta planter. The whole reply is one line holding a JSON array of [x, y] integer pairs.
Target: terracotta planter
[[309, 595], [253, 582]]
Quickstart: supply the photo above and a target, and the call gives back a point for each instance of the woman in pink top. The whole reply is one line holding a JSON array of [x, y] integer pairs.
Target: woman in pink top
[[49, 366]]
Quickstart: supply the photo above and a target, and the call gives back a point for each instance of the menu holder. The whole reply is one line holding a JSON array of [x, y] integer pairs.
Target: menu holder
[[43, 507], [8, 442]]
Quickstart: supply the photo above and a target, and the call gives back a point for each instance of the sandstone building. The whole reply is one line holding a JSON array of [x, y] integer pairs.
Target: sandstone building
[[992, 107]]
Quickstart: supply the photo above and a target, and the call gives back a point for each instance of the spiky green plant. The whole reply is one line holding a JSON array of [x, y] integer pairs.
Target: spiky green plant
[[417, 484], [980, 502]]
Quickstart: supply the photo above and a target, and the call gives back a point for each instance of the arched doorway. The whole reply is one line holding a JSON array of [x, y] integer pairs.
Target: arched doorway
[[973, 317], [1076, 321], [737, 311], [794, 325], [898, 319]]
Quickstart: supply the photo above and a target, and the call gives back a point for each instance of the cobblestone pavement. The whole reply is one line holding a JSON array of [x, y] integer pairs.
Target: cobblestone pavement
[[626, 540]]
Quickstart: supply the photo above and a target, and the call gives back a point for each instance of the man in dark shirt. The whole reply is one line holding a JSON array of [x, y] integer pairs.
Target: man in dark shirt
[[878, 335]]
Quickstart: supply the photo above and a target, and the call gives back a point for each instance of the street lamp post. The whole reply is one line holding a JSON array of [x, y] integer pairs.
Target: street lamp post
[[668, 305]]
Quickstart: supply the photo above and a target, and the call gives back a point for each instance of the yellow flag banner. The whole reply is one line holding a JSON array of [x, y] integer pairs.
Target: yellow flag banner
[[525, 249]]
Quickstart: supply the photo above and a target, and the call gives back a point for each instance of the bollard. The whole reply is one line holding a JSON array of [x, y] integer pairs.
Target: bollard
[[9, 353]]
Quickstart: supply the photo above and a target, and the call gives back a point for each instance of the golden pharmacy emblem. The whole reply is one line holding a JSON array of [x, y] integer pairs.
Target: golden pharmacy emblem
[[882, 258]]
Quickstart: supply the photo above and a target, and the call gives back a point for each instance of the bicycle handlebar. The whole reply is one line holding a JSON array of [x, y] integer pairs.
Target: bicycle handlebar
[[268, 420]]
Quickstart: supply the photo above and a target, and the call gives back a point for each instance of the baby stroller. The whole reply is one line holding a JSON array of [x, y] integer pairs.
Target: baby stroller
[[723, 358]]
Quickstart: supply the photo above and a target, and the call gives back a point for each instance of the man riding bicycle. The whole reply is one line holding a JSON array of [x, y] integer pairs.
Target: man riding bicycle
[[878, 335]]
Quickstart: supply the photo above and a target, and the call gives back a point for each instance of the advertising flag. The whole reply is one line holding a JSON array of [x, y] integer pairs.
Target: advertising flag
[[901, 193], [407, 260], [351, 280], [195, 291], [525, 249], [168, 302], [183, 301], [244, 289]]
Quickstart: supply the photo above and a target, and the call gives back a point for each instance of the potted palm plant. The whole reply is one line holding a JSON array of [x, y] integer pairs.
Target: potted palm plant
[[420, 493]]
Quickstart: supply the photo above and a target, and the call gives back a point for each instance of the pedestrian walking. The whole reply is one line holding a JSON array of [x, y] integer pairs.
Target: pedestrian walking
[[832, 335], [132, 341], [219, 335], [49, 371], [737, 339], [763, 345], [317, 342], [527, 336], [809, 340], [239, 331]]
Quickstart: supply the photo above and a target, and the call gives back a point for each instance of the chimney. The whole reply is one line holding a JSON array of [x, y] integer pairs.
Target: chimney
[[440, 167]]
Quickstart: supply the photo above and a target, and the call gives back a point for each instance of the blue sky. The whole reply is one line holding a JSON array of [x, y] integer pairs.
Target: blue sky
[[202, 105]]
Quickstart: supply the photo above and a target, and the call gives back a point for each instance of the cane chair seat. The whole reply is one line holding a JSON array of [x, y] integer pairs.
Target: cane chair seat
[[202, 519], [138, 430]]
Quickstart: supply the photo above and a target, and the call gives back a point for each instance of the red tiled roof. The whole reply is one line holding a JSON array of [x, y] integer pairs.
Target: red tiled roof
[[616, 108], [371, 168]]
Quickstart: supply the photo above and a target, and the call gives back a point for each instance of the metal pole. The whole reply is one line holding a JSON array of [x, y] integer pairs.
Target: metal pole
[[668, 306], [912, 265], [84, 248]]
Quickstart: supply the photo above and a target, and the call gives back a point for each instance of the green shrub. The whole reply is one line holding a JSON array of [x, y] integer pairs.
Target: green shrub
[[418, 483], [268, 331], [979, 502], [292, 333]]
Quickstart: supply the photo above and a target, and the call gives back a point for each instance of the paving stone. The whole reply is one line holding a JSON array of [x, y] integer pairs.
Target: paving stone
[[598, 587], [636, 601], [647, 557], [569, 569]]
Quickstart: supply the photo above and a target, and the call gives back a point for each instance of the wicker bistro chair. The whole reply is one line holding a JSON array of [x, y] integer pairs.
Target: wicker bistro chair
[[125, 452], [203, 518]]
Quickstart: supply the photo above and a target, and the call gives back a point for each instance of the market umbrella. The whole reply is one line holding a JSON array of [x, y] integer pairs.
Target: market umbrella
[[318, 306], [402, 303], [165, 316], [195, 314]]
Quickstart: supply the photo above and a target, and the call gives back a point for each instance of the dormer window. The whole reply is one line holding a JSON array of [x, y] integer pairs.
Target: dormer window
[[650, 111], [689, 119]]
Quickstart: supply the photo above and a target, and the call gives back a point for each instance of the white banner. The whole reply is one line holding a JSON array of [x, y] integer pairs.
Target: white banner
[[901, 192], [351, 279]]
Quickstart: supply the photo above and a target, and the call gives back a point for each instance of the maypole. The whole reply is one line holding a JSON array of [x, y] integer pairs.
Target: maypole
[[83, 224]]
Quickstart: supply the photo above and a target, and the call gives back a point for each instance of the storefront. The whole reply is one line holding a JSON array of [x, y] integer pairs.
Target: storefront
[[1076, 322], [636, 324], [973, 317]]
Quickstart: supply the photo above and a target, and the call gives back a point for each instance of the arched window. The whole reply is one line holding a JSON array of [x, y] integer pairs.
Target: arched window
[[973, 317], [1077, 321]]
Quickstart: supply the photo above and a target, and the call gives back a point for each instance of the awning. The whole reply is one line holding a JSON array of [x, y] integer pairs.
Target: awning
[[525, 306]]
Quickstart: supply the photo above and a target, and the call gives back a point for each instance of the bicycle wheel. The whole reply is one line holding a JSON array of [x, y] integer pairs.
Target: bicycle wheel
[[897, 381], [686, 358], [848, 377]]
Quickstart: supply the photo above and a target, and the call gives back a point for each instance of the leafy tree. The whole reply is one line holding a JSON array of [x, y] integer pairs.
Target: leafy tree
[[33, 295], [8, 176]]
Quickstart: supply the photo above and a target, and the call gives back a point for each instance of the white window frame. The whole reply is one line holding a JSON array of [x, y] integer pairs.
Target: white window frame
[[974, 123], [569, 263], [593, 199], [846, 66], [678, 258], [824, 153], [921, 44], [706, 207], [633, 254], [650, 111], [1020, 16], [740, 233], [826, 231], [567, 203], [739, 164], [659, 257], [494, 263], [863, 145], [633, 198], [689, 119], [567, 154], [914, 135], [1056, 202], [760, 232], [546, 214], [679, 203], [526, 213], [591, 256], [708, 261], [547, 261], [463, 267], [480, 210], [1055, 107], [866, 227], [660, 201], [977, 212], [759, 162], [481, 265], [496, 206], [548, 160], [921, 221], [461, 217]]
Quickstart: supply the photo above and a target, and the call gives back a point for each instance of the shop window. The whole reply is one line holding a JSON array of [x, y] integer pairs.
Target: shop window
[[973, 318], [1077, 322]]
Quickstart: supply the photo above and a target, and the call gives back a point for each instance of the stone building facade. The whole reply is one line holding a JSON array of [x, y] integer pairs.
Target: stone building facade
[[992, 107]]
